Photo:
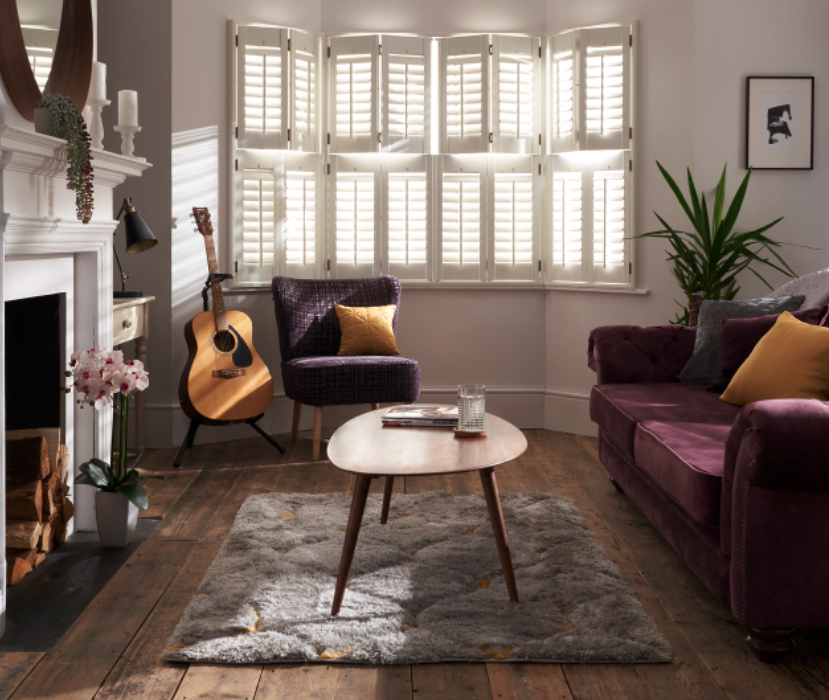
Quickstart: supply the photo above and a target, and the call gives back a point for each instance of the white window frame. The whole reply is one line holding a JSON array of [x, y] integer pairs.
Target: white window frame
[[341, 48]]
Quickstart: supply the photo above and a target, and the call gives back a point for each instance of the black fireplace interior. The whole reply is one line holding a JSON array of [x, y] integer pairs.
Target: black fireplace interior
[[34, 362]]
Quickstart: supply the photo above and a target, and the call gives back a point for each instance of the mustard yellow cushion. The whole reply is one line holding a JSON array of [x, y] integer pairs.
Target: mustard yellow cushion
[[790, 362], [367, 330]]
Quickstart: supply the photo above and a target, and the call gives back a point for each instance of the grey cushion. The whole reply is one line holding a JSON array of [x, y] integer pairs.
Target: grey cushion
[[814, 286], [704, 365]]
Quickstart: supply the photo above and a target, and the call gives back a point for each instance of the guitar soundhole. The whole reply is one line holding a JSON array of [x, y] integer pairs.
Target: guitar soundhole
[[225, 341]]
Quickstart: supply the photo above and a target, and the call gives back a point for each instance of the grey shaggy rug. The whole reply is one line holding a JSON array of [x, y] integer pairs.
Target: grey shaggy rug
[[426, 587]]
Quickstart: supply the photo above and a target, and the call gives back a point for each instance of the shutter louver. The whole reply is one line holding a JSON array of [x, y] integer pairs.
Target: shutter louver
[[461, 219], [513, 225], [354, 222], [262, 90], [605, 78], [406, 84], [354, 78], [40, 49], [258, 226], [515, 73], [300, 220], [562, 86], [303, 91], [568, 231], [608, 218], [407, 224], [465, 86]]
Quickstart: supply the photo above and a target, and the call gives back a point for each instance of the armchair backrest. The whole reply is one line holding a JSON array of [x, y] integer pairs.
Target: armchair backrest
[[305, 317]]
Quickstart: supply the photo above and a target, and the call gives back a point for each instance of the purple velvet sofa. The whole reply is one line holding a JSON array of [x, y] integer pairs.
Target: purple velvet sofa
[[742, 494]]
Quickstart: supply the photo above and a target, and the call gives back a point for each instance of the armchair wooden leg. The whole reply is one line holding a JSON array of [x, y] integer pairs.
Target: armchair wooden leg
[[295, 424], [317, 431], [375, 406]]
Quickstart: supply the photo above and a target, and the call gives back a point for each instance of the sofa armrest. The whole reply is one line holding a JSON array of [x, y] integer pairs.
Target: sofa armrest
[[637, 355], [774, 519]]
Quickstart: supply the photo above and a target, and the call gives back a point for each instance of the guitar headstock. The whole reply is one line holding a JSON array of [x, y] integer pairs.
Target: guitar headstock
[[202, 217]]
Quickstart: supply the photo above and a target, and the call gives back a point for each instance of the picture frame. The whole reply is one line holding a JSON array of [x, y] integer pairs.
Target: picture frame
[[780, 122]]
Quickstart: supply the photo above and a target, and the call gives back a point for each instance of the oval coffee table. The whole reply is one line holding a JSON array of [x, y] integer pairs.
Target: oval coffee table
[[365, 448]]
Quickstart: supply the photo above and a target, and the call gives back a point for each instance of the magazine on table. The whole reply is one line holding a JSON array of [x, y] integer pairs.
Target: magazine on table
[[421, 416]]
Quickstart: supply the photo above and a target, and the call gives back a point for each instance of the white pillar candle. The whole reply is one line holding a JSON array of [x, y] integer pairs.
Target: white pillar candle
[[98, 85], [128, 108]]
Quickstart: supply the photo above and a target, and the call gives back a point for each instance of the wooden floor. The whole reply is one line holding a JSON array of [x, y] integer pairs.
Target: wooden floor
[[113, 650]]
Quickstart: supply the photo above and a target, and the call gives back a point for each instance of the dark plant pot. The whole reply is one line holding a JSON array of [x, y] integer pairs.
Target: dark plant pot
[[44, 121]]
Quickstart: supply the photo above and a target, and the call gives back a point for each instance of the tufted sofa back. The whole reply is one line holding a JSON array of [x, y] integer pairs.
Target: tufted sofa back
[[305, 316]]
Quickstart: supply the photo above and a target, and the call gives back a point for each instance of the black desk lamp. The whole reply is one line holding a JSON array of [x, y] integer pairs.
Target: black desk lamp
[[139, 239]]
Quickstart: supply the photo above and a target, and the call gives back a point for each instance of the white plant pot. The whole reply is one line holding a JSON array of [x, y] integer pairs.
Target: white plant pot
[[116, 517]]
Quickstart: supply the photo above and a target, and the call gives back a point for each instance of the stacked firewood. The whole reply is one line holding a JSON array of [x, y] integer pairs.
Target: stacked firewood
[[38, 508]]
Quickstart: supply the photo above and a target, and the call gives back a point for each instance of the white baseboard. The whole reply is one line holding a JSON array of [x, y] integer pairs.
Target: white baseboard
[[527, 407]]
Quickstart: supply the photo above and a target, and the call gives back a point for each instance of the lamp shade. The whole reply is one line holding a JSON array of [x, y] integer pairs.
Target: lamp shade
[[139, 236]]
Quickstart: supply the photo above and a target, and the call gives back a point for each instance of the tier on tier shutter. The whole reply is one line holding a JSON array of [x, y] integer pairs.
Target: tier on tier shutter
[[256, 232], [354, 88], [513, 243], [406, 217], [515, 88], [304, 90], [262, 87], [566, 205], [462, 217], [406, 91], [561, 88], [465, 94], [355, 219], [604, 87], [300, 222]]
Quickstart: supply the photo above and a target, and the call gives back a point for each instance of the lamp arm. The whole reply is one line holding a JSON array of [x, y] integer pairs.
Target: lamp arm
[[120, 269]]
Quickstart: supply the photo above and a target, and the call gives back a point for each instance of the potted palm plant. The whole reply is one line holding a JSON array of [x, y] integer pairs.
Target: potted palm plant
[[104, 378], [707, 259]]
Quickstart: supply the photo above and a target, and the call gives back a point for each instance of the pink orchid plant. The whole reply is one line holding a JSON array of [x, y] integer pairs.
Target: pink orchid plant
[[103, 378]]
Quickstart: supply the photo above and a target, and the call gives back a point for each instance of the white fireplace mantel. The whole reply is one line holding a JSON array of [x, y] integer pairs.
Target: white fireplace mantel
[[37, 220]]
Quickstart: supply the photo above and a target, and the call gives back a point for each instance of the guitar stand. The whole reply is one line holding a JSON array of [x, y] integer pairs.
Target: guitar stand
[[194, 428], [196, 422]]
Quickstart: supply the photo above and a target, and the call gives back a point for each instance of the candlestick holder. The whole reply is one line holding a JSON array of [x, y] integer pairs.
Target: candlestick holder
[[96, 124], [127, 135]]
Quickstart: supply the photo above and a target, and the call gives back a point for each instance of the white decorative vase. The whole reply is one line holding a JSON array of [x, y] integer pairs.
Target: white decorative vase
[[116, 517]]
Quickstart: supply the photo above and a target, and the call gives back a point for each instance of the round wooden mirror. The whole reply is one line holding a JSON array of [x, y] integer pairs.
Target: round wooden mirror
[[71, 65]]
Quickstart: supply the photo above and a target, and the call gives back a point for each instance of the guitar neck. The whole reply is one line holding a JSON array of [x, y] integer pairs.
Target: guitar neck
[[219, 310]]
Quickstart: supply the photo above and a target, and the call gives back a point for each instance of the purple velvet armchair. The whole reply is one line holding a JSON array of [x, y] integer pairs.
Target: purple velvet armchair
[[741, 494], [309, 340]]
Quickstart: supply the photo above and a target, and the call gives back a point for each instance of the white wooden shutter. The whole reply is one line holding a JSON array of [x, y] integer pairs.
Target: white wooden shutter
[[515, 87], [406, 91], [355, 216], [40, 48], [604, 84], [513, 241], [262, 87], [300, 222], [406, 217], [567, 242], [304, 90], [462, 218], [465, 92], [354, 80], [611, 222], [256, 231], [561, 85]]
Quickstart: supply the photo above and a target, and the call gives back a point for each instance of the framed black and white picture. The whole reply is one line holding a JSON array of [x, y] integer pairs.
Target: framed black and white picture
[[780, 123]]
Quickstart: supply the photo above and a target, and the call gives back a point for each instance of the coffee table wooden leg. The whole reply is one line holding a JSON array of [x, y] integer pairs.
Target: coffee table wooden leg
[[384, 514], [493, 503], [355, 519]]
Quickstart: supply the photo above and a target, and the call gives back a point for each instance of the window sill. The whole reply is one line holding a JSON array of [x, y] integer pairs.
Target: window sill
[[241, 290]]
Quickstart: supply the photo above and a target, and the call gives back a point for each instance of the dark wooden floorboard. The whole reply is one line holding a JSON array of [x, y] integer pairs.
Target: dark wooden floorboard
[[114, 649]]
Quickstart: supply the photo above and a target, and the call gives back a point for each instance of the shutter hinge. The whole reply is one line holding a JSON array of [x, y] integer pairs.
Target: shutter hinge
[[490, 49], [236, 266], [539, 139], [236, 166], [237, 132], [289, 134], [289, 44], [328, 266], [630, 165], [328, 139], [630, 133], [379, 137], [630, 268], [539, 267], [539, 50], [328, 168], [329, 52], [237, 40], [490, 137], [380, 49], [631, 40]]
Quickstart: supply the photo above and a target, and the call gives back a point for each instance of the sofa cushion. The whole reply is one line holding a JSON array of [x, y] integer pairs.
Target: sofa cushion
[[330, 381], [686, 461], [618, 408]]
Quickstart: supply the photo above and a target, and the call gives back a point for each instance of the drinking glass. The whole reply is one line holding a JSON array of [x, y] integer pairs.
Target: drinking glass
[[471, 407]]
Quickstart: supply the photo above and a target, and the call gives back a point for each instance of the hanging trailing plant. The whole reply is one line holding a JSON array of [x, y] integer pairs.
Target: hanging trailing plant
[[67, 123]]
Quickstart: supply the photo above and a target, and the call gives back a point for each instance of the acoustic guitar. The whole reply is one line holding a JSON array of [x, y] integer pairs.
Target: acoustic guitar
[[224, 381]]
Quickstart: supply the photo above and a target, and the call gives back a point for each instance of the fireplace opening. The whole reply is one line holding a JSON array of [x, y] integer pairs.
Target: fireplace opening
[[35, 362]]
